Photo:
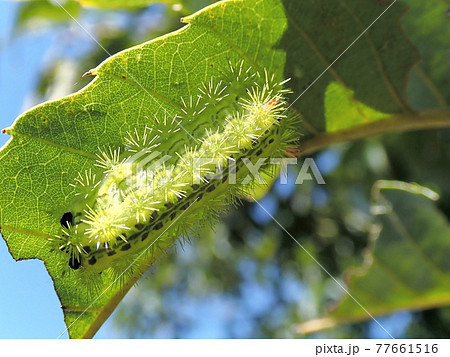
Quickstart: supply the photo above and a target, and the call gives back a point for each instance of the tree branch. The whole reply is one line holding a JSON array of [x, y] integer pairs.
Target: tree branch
[[432, 119]]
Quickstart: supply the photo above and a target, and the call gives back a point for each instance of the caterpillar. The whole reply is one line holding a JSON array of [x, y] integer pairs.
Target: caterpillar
[[176, 172]]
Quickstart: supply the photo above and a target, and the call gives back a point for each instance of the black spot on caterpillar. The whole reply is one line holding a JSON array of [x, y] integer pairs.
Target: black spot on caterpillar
[[74, 263], [125, 247], [67, 219]]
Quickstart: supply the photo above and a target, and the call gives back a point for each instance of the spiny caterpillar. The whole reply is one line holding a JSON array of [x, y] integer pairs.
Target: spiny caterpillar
[[177, 171]]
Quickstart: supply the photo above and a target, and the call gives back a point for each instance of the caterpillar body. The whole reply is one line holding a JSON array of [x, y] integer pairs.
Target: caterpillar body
[[176, 172]]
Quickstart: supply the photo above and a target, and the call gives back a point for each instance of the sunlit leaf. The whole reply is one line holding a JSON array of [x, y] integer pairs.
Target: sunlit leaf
[[345, 111]]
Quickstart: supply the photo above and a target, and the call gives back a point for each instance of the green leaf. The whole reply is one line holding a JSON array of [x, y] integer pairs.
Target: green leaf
[[373, 71], [407, 264], [344, 111], [427, 25], [43, 10], [122, 4], [55, 141]]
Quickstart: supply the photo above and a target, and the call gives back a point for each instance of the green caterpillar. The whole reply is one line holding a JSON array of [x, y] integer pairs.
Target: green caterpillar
[[176, 172]]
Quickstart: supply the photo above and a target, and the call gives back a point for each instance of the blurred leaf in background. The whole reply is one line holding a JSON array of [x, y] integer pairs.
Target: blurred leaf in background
[[247, 278]]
